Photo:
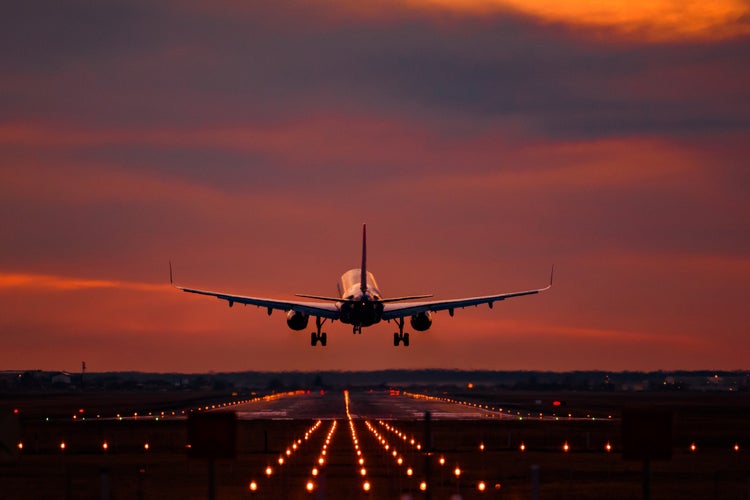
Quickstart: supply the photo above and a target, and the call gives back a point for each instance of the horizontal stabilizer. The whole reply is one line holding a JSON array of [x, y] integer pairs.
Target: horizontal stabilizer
[[341, 299], [400, 299]]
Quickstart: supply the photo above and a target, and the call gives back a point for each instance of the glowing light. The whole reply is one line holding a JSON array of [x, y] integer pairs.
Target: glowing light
[[269, 471], [363, 471], [146, 447], [566, 447], [315, 471], [366, 486], [253, 486], [423, 486], [409, 471], [608, 447], [736, 447], [321, 461], [20, 446], [522, 447], [481, 446], [693, 447], [105, 446], [457, 471], [62, 446], [281, 460], [481, 486], [442, 461], [310, 486]]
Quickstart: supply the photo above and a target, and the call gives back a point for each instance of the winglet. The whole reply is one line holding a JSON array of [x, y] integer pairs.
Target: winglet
[[551, 275], [363, 271]]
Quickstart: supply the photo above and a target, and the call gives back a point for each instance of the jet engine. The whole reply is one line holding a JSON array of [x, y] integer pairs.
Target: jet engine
[[297, 320], [422, 321]]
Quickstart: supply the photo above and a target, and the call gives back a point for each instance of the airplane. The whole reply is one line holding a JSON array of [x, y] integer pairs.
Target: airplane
[[360, 304]]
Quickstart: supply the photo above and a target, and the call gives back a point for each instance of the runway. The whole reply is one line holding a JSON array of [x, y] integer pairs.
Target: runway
[[381, 405]]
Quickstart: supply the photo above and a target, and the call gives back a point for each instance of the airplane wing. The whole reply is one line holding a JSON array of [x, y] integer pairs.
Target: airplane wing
[[318, 309], [393, 311]]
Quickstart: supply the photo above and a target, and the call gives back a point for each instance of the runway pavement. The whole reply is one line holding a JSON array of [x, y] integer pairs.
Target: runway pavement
[[378, 405]]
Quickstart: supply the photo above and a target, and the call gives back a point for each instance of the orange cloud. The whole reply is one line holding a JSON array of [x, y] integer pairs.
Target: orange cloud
[[656, 20], [64, 283]]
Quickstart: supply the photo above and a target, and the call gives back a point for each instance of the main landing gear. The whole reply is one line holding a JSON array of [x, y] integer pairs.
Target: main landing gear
[[400, 336], [317, 336]]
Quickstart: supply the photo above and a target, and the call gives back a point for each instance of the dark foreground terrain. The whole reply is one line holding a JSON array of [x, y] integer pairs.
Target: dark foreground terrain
[[145, 455]]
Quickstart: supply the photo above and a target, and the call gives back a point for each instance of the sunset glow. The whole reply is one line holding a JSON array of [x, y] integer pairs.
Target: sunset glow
[[480, 141]]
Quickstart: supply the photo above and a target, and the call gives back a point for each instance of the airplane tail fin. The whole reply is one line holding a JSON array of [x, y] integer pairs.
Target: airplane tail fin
[[363, 271]]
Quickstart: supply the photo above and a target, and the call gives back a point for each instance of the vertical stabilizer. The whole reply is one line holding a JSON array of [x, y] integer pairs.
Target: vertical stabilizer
[[363, 271]]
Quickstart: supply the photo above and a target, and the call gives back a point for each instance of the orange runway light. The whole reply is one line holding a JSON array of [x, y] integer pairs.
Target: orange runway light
[[457, 471], [693, 447], [310, 486], [366, 486], [566, 447], [423, 486], [269, 471], [481, 486], [522, 447], [20, 446], [253, 486], [62, 446], [736, 447]]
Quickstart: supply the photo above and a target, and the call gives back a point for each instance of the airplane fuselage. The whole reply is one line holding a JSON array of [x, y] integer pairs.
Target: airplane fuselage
[[359, 307]]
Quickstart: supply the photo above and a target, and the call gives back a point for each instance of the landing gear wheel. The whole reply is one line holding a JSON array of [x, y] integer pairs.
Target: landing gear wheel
[[406, 340], [396, 340], [323, 339], [313, 339]]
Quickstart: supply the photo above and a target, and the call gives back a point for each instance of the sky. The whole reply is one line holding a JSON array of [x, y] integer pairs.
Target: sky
[[480, 141]]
